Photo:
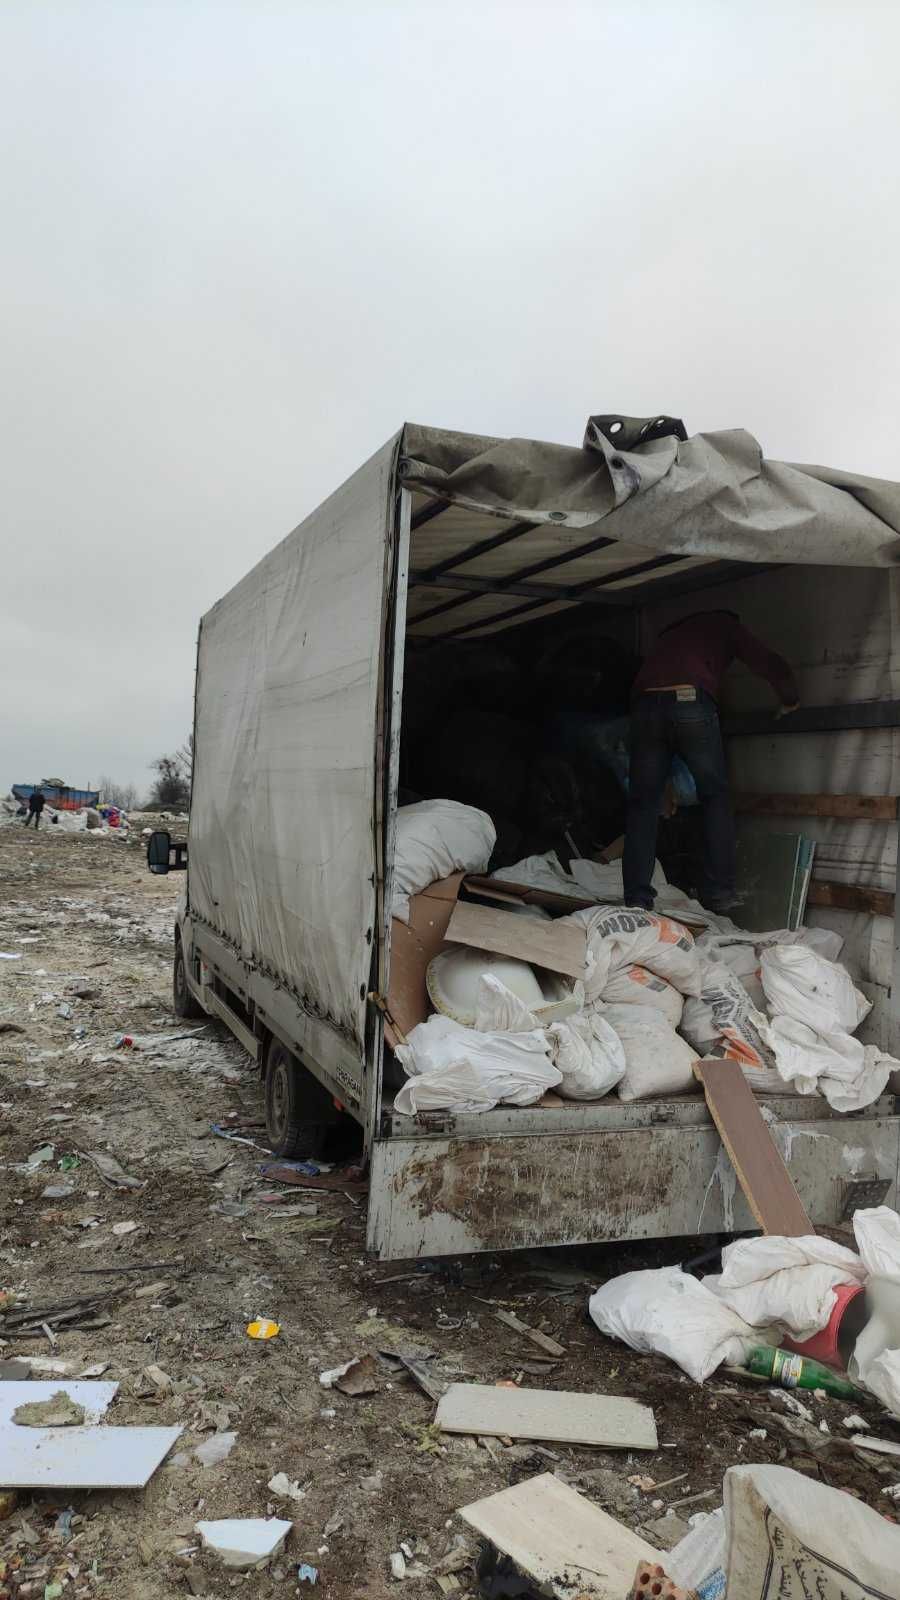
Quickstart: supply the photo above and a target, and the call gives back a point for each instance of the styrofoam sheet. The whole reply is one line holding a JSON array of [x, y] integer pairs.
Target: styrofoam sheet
[[81, 1458]]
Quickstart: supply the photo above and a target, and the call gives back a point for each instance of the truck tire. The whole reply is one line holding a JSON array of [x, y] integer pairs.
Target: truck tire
[[183, 1001], [298, 1111]]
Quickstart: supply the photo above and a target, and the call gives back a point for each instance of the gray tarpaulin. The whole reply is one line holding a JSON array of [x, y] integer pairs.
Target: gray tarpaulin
[[714, 494]]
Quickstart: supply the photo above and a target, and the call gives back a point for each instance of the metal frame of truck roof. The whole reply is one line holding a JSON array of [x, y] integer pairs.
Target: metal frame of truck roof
[[622, 586]]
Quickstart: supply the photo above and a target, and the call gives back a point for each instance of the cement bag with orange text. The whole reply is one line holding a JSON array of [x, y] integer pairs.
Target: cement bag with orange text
[[625, 936], [657, 1060], [723, 1021], [635, 986]]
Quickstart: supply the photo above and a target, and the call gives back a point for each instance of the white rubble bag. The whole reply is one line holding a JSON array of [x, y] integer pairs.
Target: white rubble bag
[[722, 1020], [876, 1358], [512, 1068], [788, 1537], [625, 936], [657, 1060], [435, 838], [789, 1283], [582, 1045], [635, 986], [800, 983], [666, 1311], [849, 1074], [589, 1054]]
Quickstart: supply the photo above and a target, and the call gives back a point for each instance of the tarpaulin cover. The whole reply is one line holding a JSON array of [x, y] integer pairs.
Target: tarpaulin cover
[[714, 494], [282, 855]]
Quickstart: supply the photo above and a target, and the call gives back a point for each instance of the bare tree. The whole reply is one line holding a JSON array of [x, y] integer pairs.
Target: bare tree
[[123, 795], [184, 757], [171, 790]]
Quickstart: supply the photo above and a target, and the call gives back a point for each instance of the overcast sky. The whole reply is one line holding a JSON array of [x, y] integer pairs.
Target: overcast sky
[[243, 242]]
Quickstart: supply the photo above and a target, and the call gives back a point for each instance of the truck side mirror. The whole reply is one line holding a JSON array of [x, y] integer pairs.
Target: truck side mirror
[[158, 847]]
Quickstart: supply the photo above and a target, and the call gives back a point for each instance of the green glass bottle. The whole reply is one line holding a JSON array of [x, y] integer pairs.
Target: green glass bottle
[[798, 1372]]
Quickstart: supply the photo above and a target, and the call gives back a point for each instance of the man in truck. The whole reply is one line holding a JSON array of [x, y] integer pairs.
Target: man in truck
[[674, 711]]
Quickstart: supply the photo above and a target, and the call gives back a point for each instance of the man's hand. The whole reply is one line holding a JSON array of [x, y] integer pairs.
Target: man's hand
[[785, 711]]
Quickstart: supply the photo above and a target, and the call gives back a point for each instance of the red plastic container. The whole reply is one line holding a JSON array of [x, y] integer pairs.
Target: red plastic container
[[826, 1346]]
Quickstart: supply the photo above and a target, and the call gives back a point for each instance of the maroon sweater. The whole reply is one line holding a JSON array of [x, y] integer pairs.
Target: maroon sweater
[[700, 650]]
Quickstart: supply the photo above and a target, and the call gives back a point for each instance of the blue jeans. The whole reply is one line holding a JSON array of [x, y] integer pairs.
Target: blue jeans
[[662, 727]]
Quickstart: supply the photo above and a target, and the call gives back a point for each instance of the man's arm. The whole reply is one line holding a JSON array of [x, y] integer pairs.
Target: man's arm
[[766, 664]]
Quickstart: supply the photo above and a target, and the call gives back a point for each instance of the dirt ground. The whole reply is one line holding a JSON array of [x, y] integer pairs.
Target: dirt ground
[[92, 933]]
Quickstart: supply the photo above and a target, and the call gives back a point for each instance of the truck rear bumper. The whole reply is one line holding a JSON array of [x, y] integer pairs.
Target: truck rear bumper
[[446, 1195]]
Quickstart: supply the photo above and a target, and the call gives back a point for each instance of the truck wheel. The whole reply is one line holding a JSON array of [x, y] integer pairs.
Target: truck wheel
[[296, 1107], [183, 1001]]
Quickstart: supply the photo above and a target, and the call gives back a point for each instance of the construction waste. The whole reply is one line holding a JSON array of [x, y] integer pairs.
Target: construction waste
[[100, 821], [770, 1289], [650, 1000]]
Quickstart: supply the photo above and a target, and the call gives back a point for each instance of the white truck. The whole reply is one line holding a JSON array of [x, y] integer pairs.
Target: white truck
[[284, 927]]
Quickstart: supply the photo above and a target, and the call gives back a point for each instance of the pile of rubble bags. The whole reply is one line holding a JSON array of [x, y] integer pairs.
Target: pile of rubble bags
[[650, 1000], [770, 1290], [108, 821]]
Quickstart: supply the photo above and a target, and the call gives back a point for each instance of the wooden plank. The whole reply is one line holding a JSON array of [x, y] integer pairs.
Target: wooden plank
[[559, 1418], [413, 945], [760, 1170], [559, 947], [552, 1347], [851, 897], [561, 1540], [848, 807]]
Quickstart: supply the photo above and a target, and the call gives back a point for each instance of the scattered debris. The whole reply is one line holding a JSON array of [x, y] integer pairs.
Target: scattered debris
[[329, 1378], [109, 1170], [359, 1378], [880, 1447], [287, 1488], [216, 1448], [244, 1542], [57, 1411], [307, 1574], [158, 1378], [552, 1347], [263, 1328]]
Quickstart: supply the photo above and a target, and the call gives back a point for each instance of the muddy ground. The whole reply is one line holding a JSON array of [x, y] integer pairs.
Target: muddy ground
[[92, 933]]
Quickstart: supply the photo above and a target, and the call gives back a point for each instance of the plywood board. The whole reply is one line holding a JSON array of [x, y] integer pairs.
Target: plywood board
[[547, 1414], [81, 1458], [561, 1540], [760, 1170], [561, 947], [413, 945]]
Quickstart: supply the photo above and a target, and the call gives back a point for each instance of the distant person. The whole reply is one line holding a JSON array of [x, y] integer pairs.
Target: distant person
[[674, 711], [35, 807]]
